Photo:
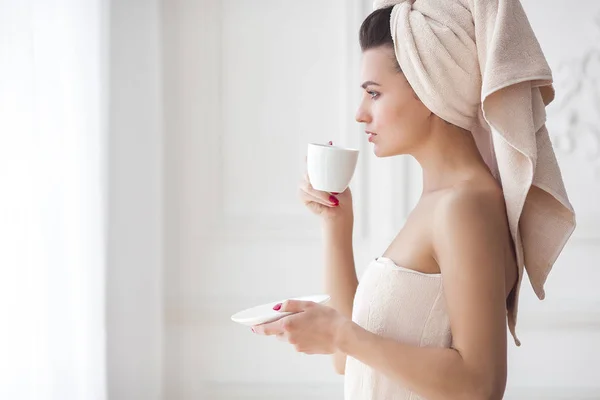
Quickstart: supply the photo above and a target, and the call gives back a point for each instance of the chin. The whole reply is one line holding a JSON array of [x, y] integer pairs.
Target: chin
[[382, 152]]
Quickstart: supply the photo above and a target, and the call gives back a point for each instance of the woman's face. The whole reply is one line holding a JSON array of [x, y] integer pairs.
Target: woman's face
[[389, 108]]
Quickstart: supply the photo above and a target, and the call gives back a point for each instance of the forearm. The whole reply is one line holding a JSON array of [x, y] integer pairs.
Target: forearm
[[340, 272], [434, 373]]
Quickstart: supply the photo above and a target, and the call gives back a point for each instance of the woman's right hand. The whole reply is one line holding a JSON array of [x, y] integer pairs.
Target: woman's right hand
[[332, 207]]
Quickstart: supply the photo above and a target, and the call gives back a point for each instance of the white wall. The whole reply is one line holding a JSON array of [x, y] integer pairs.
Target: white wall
[[247, 85], [134, 277]]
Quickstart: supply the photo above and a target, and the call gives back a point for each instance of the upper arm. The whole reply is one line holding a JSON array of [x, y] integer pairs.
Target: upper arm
[[469, 250]]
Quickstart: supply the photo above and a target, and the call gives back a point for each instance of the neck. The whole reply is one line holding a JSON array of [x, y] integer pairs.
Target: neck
[[448, 156]]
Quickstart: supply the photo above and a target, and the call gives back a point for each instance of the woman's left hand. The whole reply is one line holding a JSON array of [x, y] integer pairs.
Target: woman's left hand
[[313, 329]]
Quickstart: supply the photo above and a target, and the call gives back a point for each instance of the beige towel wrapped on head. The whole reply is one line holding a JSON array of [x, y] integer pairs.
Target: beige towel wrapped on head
[[478, 65]]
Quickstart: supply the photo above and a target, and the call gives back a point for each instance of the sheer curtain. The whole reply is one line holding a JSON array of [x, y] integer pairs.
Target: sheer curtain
[[52, 199]]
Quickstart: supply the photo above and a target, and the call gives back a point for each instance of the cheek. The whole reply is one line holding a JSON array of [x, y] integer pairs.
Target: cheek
[[401, 123], [388, 114], [410, 117], [394, 117]]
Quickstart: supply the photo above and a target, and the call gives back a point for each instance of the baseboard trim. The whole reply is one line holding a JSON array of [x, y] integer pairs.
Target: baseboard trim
[[273, 391], [334, 391]]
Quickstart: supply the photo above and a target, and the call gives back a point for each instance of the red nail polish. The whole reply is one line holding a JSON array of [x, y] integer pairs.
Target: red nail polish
[[334, 200], [277, 307], [330, 143]]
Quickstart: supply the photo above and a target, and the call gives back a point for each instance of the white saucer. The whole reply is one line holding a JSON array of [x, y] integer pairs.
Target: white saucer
[[265, 313]]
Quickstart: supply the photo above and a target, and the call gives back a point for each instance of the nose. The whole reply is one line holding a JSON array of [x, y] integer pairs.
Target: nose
[[362, 114]]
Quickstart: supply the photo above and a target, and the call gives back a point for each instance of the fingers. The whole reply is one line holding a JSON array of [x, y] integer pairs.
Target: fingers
[[269, 329], [308, 193], [277, 328], [307, 198], [296, 306], [282, 337]]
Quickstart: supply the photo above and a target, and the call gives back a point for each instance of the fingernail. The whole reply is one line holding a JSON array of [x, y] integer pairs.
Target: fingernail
[[334, 200], [330, 143], [334, 193], [253, 330], [277, 307]]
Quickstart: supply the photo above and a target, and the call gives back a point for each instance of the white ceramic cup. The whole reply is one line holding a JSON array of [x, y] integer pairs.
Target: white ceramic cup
[[330, 168]]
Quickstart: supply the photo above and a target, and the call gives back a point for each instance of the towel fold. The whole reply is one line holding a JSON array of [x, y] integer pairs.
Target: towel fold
[[478, 65]]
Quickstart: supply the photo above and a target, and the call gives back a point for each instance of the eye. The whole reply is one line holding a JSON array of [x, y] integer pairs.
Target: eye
[[373, 94]]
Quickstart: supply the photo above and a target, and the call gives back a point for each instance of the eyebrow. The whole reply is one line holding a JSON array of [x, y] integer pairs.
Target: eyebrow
[[368, 83]]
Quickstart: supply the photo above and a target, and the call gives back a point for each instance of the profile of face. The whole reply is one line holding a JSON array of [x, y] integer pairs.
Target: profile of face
[[389, 107]]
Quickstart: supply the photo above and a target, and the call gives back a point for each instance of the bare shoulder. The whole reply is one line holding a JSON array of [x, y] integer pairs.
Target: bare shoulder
[[472, 217], [470, 205]]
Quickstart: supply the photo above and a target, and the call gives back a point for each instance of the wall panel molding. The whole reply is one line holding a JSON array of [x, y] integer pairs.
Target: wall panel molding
[[220, 224]]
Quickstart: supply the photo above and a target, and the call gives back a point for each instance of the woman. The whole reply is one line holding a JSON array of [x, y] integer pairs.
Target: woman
[[428, 319]]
